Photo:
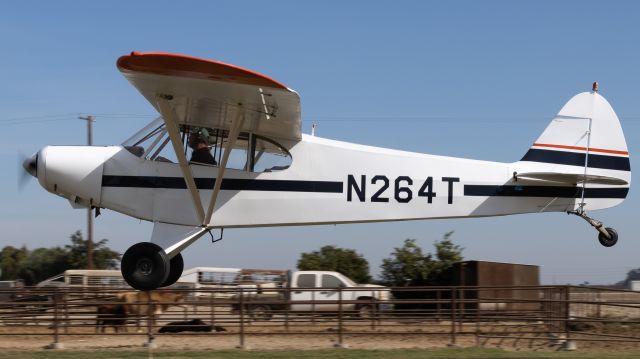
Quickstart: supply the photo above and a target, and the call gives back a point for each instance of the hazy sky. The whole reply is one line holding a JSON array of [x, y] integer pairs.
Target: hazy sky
[[476, 79]]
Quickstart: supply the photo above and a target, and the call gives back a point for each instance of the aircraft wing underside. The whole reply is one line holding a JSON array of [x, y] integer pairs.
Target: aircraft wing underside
[[207, 93]]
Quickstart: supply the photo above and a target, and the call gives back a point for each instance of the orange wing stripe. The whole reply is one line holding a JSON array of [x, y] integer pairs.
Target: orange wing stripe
[[581, 148], [162, 63]]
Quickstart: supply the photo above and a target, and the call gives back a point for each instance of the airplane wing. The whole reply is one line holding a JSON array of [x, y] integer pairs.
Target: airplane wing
[[204, 92], [571, 178]]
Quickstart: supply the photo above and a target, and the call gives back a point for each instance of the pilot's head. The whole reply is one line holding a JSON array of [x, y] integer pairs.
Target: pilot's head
[[199, 138]]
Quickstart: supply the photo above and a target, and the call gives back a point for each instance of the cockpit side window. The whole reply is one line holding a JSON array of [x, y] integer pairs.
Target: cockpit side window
[[207, 146], [269, 156], [150, 141]]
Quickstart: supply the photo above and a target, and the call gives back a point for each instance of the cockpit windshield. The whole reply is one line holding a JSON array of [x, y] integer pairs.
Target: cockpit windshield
[[206, 146]]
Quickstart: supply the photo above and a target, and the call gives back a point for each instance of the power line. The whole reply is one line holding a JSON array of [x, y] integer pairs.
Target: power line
[[46, 119]]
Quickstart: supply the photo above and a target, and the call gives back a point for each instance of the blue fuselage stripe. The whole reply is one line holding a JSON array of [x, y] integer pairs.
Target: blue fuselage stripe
[[577, 159], [543, 191], [227, 184]]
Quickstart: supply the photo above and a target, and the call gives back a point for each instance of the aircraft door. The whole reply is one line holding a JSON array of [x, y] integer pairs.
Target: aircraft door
[[303, 290], [329, 293]]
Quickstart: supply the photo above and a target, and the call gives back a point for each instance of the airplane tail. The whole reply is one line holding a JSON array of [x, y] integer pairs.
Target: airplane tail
[[583, 146]]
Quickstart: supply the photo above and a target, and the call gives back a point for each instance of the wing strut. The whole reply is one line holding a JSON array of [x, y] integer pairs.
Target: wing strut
[[168, 115], [236, 124]]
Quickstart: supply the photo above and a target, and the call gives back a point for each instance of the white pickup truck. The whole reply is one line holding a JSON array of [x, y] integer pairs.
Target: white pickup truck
[[317, 292]]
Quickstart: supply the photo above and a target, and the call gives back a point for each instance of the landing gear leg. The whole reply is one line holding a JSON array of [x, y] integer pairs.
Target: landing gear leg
[[607, 236], [145, 266]]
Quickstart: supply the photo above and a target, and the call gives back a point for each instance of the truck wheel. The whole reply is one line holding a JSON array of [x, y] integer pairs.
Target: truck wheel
[[366, 311], [260, 312]]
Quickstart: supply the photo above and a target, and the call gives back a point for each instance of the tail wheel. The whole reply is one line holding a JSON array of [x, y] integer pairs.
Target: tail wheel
[[145, 266], [176, 265], [608, 242]]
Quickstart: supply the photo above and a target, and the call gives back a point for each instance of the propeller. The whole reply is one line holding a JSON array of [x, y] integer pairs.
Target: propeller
[[30, 168]]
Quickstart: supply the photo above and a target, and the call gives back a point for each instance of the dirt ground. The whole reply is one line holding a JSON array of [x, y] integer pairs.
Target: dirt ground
[[11, 339], [222, 342]]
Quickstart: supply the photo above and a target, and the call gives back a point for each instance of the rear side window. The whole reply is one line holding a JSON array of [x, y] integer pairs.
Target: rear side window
[[306, 281]]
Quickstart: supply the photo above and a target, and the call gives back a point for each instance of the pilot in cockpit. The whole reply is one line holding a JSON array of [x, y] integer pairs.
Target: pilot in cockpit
[[199, 143]]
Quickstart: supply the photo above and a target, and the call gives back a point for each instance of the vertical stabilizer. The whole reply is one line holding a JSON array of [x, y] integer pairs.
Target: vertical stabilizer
[[583, 148], [585, 131]]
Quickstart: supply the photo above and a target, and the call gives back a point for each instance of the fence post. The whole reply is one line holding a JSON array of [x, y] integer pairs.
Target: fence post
[[56, 335], [287, 306], [568, 344], [313, 306], [438, 305], [150, 339], [375, 314], [242, 343], [453, 316], [461, 312], [212, 310], [477, 305], [66, 311], [340, 343]]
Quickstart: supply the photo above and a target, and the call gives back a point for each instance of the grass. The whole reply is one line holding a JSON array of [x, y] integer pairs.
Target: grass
[[470, 353]]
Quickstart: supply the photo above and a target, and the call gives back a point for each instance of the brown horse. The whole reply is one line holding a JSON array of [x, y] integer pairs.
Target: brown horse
[[148, 304], [111, 315]]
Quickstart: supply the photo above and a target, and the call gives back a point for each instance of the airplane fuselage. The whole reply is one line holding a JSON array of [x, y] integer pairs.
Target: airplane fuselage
[[327, 182]]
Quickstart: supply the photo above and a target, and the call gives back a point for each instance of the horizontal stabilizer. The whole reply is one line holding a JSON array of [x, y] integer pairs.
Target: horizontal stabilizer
[[571, 178]]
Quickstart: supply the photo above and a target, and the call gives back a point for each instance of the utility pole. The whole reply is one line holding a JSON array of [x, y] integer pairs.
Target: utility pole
[[90, 120]]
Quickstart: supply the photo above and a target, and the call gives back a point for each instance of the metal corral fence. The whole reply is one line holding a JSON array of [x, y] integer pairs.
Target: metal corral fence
[[487, 316]]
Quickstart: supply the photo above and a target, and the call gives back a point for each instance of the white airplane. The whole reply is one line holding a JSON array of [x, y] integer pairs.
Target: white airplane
[[251, 166]]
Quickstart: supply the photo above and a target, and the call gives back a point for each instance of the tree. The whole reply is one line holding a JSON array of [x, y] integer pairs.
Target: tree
[[407, 265], [11, 260], [447, 254], [43, 263], [632, 275], [103, 256], [332, 258], [410, 266], [39, 264]]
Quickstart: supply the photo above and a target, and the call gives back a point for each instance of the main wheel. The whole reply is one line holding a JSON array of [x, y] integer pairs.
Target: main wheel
[[608, 242], [176, 266], [260, 312], [145, 266]]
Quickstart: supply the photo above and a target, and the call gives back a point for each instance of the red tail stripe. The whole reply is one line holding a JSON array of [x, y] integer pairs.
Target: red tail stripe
[[581, 148]]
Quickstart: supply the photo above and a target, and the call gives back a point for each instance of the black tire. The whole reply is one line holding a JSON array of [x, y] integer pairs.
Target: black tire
[[260, 312], [608, 242], [366, 311], [176, 265], [145, 266]]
